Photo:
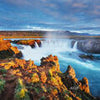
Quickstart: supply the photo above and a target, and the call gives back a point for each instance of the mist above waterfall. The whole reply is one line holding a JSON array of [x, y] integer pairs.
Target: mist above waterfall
[[57, 34]]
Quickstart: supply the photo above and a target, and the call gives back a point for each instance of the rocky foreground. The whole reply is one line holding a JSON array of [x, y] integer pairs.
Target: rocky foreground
[[23, 80], [7, 50]]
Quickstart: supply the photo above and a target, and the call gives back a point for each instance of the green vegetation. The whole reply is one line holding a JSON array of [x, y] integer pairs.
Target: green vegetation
[[3, 70], [43, 98], [21, 92], [37, 90], [2, 84], [4, 75]]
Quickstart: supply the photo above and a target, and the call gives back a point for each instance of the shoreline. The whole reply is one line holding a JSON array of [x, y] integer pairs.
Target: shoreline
[[57, 37]]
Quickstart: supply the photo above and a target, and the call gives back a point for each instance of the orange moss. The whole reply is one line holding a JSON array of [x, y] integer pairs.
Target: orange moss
[[35, 78], [14, 49], [43, 77]]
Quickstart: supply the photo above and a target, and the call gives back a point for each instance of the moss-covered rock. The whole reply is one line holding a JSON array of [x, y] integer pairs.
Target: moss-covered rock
[[26, 81]]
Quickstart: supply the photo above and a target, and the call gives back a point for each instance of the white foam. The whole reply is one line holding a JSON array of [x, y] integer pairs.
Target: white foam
[[56, 47], [82, 64]]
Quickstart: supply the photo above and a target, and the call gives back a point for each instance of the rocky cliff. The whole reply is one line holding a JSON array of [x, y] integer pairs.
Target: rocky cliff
[[23, 80], [7, 50], [89, 46]]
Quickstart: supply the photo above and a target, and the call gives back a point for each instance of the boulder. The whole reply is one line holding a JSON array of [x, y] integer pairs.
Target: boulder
[[90, 57]]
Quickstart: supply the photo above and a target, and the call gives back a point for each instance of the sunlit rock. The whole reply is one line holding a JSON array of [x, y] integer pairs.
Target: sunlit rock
[[70, 72], [6, 50], [24, 80], [32, 43], [85, 85]]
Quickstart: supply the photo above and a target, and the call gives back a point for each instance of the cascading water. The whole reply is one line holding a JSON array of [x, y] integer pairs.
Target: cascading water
[[75, 46], [67, 56], [48, 47], [36, 45]]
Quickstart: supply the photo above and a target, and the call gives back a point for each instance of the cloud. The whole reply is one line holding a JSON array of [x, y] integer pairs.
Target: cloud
[[18, 2], [79, 5], [49, 11]]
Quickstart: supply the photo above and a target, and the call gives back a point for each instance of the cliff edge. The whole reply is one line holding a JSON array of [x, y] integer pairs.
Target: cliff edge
[[23, 80]]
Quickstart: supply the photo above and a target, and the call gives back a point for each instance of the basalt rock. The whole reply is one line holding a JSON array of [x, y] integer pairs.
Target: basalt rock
[[89, 46], [72, 43], [91, 57]]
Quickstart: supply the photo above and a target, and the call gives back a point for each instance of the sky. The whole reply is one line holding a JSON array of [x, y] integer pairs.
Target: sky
[[79, 15]]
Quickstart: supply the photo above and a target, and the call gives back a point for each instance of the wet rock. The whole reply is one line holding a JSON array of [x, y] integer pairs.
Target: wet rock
[[89, 46], [72, 43], [91, 57]]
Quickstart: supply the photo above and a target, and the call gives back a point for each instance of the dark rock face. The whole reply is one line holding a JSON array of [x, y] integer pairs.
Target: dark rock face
[[19, 55], [72, 43], [90, 57], [9, 53], [89, 46], [6, 54]]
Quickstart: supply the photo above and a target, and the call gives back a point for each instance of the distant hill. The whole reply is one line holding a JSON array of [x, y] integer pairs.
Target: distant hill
[[43, 33]]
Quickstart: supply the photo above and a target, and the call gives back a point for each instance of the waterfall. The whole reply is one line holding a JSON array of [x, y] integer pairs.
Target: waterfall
[[75, 46], [49, 46], [36, 45]]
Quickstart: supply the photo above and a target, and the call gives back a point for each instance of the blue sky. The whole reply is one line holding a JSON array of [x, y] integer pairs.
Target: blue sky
[[53, 14]]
